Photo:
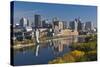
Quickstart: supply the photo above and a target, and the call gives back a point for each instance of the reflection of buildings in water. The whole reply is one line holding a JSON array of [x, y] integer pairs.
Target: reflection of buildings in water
[[58, 45], [34, 49], [24, 50], [37, 50], [37, 35], [78, 39], [75, 39]]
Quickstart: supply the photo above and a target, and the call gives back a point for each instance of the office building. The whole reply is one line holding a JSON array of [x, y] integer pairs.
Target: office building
[[23, 22], [65, 24], [73, 25], [79, 24], [88, 26], [46, 24], [29, 24], [83, 26], [57, 26], [37, 21]]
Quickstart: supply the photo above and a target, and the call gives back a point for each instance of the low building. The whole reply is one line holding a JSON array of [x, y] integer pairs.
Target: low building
[[28, 29]]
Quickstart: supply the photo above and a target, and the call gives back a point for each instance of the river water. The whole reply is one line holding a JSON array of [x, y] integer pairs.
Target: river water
[[42, 53]]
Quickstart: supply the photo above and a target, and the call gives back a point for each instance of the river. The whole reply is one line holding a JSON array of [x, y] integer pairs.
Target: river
[[42, 53]]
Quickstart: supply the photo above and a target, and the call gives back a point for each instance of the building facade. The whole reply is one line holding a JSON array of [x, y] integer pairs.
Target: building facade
[[37, 21], [24, 22], [88, 26], [73, 25], [79, 24]]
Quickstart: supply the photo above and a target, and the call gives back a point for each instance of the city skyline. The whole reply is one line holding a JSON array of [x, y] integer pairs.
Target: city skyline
[[48, 33], [64, 12]]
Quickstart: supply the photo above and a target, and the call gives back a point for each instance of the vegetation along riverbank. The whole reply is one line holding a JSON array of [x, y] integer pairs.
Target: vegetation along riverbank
[[80, 52]]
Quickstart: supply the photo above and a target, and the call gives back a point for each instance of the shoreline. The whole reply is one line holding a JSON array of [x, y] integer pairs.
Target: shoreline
[[18, 46]]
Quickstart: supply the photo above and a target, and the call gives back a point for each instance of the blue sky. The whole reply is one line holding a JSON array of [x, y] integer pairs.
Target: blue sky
[[48, 11]]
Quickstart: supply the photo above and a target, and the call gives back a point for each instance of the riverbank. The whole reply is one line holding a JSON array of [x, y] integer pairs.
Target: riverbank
[[42, 40], [26, 43], [80, 52]]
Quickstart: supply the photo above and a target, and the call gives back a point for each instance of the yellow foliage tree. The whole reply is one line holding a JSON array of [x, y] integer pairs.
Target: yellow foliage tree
[[77, 54]]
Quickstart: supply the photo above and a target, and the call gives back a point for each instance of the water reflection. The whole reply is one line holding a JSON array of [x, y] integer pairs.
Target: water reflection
[[41, 53], [56, 46]]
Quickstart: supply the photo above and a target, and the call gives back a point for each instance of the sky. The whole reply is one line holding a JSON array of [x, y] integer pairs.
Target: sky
[[64, 12]]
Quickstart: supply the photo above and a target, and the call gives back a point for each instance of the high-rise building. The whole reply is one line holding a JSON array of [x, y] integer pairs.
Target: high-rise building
[[28, 23], [79, 24], [73, 25], [59, 24], [55, 19], [83, 26], [65, 24], [88, 26], [37, 21], [46, 24], [23, 22]]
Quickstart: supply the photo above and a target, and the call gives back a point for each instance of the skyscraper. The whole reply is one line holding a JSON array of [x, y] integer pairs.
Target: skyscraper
[[65, 24], [37, 20], [28, 23], [23, 22], [83, 26], [73, 25], [59, 24], [88, 26], [79, 24]]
